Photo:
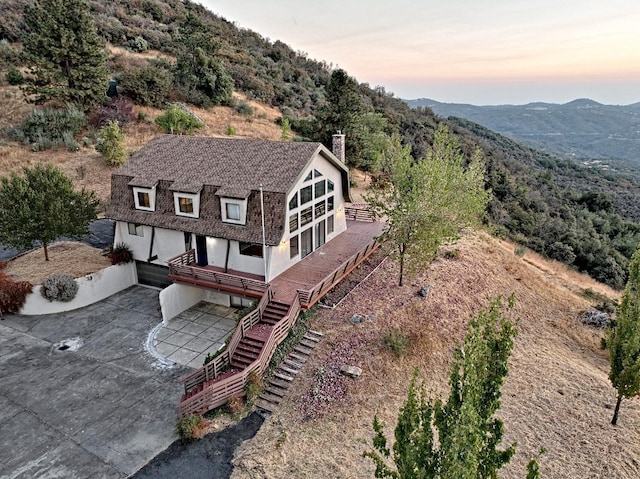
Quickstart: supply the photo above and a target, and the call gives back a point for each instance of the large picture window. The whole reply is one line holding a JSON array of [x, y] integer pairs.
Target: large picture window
[[306, 216], [293, 222], [319, 187], [306, 194], [294, 248], [251, 249]]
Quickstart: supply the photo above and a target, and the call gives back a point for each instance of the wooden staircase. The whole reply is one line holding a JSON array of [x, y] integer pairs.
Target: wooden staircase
[[274, 312], [246, 352]]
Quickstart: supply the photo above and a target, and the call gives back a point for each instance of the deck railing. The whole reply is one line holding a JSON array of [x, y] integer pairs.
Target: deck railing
[[218, 393], [221, 363], [358, 213], [308, 298], [184, 267]]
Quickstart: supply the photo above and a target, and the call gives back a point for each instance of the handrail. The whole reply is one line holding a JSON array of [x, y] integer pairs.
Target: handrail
[[218, 393], [357, 213]]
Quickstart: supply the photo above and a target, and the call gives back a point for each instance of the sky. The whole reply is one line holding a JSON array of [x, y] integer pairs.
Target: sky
[[484, 52]]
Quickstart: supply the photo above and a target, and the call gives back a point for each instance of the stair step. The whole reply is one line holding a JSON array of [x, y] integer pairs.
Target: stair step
[[284, 377], [280, 383], [272, 398], [256, 343], [245, 355], [311, 337], [275, 391], [308, 344], [299, 357], [288, 370], [276, 305], [265, 405], [303, 350], [251, 349], [316, 333], [293, 364], [240, 363]]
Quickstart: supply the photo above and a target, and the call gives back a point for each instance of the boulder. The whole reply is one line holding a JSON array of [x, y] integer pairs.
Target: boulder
[[351, 371]]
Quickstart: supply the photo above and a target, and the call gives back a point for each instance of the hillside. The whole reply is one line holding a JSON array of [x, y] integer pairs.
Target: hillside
[[557, 394], [582, 129]]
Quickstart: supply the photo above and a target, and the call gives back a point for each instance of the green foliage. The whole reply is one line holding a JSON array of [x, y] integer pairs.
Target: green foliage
[[64, 52], [429, 201], [396, 341], [231, 130], [110, 144], [520, 250], [243, 108], [42, 205], [189, 426], [177, 121], [138, 44], [200, 77], [59, 287], [14, 76], [457, 439], [285, 129], [623, 340], [147, 86]]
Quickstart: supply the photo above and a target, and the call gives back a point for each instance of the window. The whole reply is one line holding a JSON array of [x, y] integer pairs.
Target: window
[[330, 227], [306, 244], [329, 186], [306, 216], [188, 241], [319, 209], [135, 229], [293, 247], [251, 249], [233, 211], [319, 186], [320, 234], [293, 202], [187, 204], [316, 174], [309, 176], [330, 203], [306, 194], [144, 198], [293, 222]]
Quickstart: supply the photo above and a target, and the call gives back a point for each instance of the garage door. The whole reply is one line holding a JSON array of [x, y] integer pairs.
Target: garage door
[[153, 275]]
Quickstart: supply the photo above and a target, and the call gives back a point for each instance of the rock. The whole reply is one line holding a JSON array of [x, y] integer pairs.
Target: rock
[[424, 291], [596, 318], [351, 371], [371, 317], [356, 319]]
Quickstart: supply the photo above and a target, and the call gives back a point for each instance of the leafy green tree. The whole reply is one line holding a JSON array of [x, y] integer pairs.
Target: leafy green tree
[[458, 439], [177, 121], [65, 55], [623, 340], [41, 206], [428, 202], [111, 144], [200, 75]]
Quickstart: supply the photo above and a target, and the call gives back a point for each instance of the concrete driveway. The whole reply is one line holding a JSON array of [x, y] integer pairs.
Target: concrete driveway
[[80, 396]]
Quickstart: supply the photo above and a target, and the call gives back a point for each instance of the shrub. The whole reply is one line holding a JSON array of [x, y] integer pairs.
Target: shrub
[[118, 109], [177, 121], [235, 404], [111, 144], [254, 386], [120, 254], [452, 254], [396, 341], [520, 250], [231, 130], [189, 427], [12, 294], [148, 86], [14, 76], [47, 127], [243, 108], [59, 287], [138, 45]]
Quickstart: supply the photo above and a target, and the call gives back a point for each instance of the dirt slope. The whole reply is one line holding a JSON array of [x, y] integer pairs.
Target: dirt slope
[[557, 395]]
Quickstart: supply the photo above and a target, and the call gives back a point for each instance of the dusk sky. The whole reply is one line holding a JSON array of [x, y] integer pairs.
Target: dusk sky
[[462, 51]]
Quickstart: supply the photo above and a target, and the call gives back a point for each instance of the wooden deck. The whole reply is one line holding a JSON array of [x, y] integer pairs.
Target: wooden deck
[[313, 270]]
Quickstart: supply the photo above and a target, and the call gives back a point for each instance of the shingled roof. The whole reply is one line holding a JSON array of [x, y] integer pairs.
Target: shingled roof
[[226, 167]]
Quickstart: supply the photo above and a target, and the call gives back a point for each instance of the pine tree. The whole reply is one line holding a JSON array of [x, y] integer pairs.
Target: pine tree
[[458, 439], [623, 340], [65, 55], [41, 206]]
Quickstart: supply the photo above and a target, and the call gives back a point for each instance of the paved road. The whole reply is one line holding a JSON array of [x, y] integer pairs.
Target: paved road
[[101, 408]]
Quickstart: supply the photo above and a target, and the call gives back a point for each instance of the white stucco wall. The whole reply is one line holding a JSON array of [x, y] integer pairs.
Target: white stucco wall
[[166, 244], [176, 298], [91, 289]]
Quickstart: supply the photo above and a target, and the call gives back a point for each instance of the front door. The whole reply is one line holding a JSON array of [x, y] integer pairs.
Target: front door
[[201, 250]]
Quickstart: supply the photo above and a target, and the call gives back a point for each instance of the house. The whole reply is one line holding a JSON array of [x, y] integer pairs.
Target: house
[[250, 208]]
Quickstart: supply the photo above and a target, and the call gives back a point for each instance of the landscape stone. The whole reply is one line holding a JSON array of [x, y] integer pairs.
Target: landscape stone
[[356, 319], [351, 371]]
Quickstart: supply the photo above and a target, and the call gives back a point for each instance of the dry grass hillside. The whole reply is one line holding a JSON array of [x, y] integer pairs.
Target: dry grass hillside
[[557, 395]]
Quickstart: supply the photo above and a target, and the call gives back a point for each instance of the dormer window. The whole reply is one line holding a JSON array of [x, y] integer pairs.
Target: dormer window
[[234, 210], [145, 198], [187, 204]]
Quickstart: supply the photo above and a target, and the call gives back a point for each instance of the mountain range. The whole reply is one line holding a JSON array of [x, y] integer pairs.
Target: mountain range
[[582, 129]]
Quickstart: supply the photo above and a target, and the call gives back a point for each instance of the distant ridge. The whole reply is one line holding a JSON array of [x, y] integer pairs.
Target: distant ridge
[[581, 129]]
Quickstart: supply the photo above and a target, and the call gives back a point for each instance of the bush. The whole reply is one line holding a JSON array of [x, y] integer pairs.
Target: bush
[[235, 404], [189, 427], [118, 109], [59, 287], [138, 45], [110, 144], [520, 251], [177, 121], [120, 254], [254, 386], [14, 76], [47, 127], [231, 130], [452, 254], [148, 86], [243, 108], [396, 341], [12, 294]]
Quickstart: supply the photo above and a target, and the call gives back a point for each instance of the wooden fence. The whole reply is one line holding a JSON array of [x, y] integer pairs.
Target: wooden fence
[[183, 267], [219, 392], [355, 213]]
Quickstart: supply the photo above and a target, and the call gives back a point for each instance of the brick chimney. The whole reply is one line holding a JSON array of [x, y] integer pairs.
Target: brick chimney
[[337, 146]]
